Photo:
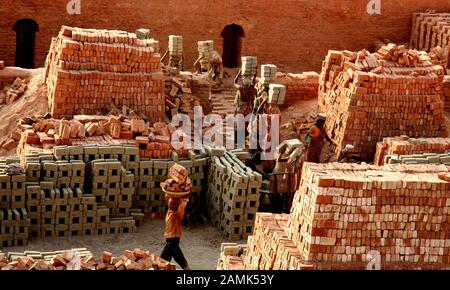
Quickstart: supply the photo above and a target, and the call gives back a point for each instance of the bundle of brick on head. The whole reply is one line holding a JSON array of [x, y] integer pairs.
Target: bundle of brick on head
[[178, 183]]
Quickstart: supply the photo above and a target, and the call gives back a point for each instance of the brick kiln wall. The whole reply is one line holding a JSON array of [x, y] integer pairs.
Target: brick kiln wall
[[295, 38]]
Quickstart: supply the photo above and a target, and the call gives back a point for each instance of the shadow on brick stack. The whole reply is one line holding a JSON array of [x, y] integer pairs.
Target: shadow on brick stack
[[88, 68], [393, 92], [345, 216]]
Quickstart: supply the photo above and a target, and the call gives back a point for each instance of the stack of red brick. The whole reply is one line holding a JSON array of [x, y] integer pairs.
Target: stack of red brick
[[345, 214], [299, 87], [431, 30], [409, 146], [393, 92], [84, 260], [446, 93], [87, 69]]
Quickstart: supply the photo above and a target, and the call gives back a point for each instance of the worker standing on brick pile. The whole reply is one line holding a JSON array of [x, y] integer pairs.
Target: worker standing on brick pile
[[173, 233], [315, 138]]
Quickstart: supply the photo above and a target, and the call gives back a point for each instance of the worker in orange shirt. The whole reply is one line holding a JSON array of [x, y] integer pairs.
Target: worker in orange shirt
[[315, 138], [174, 219]]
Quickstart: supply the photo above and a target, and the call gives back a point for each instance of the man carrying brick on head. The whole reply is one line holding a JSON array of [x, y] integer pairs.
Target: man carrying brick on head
[[315, 138], [177, 181], [245, 95]]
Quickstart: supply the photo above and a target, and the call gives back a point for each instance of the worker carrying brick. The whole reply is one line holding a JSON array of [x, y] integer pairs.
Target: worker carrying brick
[[315, 138], [245, 95], [175, 61], [174, 220], [348, 156], [178, 188]]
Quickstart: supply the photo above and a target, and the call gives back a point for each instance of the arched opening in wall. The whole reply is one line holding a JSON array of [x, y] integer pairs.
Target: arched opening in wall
[[25, 42], [232, 45]]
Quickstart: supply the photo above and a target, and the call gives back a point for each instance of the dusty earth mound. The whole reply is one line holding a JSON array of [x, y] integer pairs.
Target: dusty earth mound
[[33, 102]]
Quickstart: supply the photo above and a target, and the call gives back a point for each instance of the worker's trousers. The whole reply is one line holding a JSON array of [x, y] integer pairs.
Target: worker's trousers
[[172, 250]]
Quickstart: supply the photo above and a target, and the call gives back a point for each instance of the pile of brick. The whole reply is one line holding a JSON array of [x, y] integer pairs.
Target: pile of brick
[[404, 145], [153, 141], [343, 212], [11, 93], [231, 257], [82, 259], [86, 69], [200, 87], [10, 74], [360, 92], [233, 194], [179, 98], [177, 180], [431, 30], [299, 87]]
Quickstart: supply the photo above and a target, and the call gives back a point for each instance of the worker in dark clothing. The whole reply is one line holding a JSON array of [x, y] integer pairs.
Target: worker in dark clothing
[[194, 211], [315, 138], [245, 95], [174, 219]]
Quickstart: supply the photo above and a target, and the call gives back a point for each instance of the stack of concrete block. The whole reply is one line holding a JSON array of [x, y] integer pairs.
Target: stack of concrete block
[[64, 174], [268, 74], [176, 45], [83, 64], [360, 92], [299, 87], [14, 226], [14, 221], [425, 158], [113, 186], [233, 196], [277, 94], [403, 145], [249, 66], [205, 48]]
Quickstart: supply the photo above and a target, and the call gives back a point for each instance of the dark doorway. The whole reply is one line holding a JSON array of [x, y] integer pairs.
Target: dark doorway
[[232, 45], [25, 42]]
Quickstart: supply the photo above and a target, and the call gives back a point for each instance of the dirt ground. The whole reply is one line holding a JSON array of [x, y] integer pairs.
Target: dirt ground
[[33, 102], [200, 245]]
